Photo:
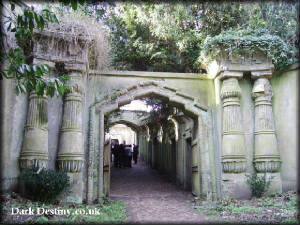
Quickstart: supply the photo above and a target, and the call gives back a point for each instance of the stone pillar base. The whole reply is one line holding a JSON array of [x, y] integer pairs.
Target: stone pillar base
[[234, 185], [276, 185], [76, 189]]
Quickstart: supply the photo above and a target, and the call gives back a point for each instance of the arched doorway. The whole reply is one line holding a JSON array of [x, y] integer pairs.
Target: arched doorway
[[190, 107]]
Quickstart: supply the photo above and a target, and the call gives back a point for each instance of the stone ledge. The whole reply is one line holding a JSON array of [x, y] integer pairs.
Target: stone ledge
[[187, 76]]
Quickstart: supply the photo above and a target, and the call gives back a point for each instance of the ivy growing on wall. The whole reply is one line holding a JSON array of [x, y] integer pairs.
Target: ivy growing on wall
[[233, 42]]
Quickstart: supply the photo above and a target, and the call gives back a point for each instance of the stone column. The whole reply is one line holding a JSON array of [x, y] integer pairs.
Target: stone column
[[91, 157], [35, 144], [233, 140], [70, 155], [266, 155]]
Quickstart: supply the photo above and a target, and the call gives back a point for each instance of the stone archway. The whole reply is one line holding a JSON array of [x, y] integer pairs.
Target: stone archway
[[190, 106]]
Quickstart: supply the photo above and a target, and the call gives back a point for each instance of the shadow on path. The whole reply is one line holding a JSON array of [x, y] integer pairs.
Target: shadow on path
[[151, 198]]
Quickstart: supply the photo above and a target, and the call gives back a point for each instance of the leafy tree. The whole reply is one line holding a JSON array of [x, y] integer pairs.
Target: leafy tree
[[160, 111], [170, 36], [148, 35]]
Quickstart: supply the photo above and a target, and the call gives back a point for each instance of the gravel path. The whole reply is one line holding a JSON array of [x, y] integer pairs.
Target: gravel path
[[149, 198]]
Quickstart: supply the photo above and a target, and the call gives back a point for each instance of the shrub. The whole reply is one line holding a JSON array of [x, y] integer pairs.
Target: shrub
[[258, 184], [44, 185]]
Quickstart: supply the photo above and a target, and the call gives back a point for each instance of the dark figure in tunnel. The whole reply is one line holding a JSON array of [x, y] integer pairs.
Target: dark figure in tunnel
[[128, 155], [135, 153], [112, 150], [116, 152], [122, 156]]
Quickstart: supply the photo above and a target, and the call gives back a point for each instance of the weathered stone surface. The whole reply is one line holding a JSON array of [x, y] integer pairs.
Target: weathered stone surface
[[198, 99], [136, 119], [234, 185], [70, 156], [233, 143], [266, 155], [71, 153], [286, 111], [56, 47], [35, 144]]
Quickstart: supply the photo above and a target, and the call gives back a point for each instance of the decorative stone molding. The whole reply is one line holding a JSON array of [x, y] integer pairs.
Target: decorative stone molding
[[245, 61], [70, 162], [70, 156], [134, 119], [150, 87], [233, 143], [266, 155], [58, 47], [35, 144], [267, 165], [233, 163], [190, 106]]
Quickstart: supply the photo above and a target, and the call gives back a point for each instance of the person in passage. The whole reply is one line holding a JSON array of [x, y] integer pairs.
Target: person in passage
[[131, 151], [117, 155], [112, 152], [122, 156], [128, 155], [135, 153]]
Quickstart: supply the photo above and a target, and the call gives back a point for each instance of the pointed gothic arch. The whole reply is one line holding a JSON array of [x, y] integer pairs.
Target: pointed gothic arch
[[189, 105]]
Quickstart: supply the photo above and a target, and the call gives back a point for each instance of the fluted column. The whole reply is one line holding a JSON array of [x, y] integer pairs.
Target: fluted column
[[233, 140], [266, 155], [70, 155], [35, 144], [233, 143]]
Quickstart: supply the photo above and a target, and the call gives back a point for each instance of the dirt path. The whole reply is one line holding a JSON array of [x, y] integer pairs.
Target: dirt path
[[150, 198]]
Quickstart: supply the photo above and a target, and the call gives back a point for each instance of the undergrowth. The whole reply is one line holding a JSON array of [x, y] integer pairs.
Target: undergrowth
[[109, 211]]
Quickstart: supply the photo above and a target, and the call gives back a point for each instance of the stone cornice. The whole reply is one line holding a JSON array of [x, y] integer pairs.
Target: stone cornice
[[168, 75], [231, 74], [261, 74], [56, 47]]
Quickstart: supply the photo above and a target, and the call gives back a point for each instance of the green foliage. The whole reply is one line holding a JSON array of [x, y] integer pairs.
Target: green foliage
[[160, 111], [233, 42], [163, 36], [109, 211], [258, 184], [32, 77], [275, 208], [44, 185], [236, 209], [170, 36], [28, 76], [74, 3], [151, 37]]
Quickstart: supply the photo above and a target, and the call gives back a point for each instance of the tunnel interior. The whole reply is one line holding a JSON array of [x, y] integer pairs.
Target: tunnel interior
[[164, 144]]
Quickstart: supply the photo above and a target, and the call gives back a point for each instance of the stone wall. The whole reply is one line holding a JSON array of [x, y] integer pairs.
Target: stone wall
[[13, 119], [286, 113], [233, 104]]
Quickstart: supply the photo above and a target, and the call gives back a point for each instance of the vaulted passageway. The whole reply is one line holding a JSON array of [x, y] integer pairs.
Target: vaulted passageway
[[174, 147], [161, 186], [165, 144]]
